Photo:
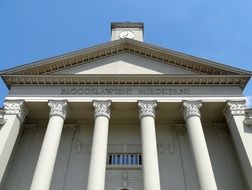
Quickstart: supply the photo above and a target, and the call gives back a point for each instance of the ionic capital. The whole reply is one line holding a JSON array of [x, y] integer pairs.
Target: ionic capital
[[234, 108], [102, 108], [58, 108], [16, 107], [191, 108], [147, 108]]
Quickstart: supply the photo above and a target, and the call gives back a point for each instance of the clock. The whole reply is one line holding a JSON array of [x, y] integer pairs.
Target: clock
[[127, 34]]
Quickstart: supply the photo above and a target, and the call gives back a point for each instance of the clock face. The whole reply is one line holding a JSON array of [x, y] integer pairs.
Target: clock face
[[127, 34]]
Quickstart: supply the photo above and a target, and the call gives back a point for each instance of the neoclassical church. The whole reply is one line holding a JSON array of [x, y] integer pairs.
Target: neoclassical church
[[125, 115]]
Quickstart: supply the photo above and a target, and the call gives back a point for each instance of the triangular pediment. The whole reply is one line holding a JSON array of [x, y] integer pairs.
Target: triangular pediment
[[158, 54], [125, 63]]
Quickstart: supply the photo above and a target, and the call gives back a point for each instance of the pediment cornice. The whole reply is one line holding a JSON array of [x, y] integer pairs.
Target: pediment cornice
[[132, 80], [200, 66]]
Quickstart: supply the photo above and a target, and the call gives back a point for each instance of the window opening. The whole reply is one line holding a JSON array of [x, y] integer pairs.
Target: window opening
[[125, 159]]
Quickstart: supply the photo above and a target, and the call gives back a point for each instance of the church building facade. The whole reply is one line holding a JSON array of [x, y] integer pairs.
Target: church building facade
[[125, 115]]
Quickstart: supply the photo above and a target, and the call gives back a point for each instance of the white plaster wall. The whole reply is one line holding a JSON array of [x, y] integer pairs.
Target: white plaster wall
[[125, 63], [177, 170]]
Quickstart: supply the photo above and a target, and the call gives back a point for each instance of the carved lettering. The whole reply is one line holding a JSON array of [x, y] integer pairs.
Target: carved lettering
[[100, 91]]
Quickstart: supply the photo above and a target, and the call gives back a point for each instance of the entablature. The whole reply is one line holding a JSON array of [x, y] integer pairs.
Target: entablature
[[134, 80]]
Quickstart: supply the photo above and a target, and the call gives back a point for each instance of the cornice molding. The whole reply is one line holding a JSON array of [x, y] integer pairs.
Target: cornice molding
[[147, 108], [127, 79]]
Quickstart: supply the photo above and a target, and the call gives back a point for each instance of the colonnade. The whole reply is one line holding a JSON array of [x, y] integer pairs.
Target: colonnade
[[97, 168]]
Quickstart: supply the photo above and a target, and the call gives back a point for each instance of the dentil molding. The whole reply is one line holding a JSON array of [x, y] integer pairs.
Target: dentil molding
[[58, 108], [191, 108], [102, 108], [147, 108], [16, 107]]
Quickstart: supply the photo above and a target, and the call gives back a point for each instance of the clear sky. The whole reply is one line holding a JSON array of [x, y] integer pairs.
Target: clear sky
[[217, 30]]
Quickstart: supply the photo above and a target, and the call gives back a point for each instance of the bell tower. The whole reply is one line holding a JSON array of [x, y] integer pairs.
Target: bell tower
[[130, 30]]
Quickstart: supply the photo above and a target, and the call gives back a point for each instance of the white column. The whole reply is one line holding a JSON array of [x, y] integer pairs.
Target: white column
[[150, 166], [12, 117], [242, 136], [45, 165], [198, 145], [97, 166]]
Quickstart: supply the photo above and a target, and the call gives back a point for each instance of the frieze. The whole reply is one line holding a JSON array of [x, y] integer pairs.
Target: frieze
[[141, 91]]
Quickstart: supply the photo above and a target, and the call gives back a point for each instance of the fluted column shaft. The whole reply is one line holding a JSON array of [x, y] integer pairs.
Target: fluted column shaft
[[45, 165], [150, 165], [198, 145], [97, 166]]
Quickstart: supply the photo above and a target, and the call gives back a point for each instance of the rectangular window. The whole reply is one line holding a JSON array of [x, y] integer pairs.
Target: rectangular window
[[125, 159]]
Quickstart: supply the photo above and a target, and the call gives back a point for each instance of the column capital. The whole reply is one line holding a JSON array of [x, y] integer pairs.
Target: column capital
[[2, 120], [58, 108], [16, 107], [102, 108], [191, 108], [147, 108], [234, 108]]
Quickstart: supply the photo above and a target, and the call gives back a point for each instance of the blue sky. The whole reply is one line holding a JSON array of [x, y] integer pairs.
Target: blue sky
[[217, 30]]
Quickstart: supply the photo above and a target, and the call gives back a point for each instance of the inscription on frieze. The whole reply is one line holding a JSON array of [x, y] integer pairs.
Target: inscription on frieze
[[133, 91]]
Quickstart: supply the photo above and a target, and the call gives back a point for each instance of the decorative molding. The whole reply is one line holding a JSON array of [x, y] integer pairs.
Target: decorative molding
[[248, 118], [127, 79], [234, 108], [16, 107], [58, 108], [191, 108], [147, 108], [102, 108]]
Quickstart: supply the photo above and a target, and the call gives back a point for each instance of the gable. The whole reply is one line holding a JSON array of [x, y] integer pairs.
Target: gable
[[124, 63]]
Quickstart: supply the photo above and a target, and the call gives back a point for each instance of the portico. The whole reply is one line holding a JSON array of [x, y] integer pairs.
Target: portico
[[125, 114]]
